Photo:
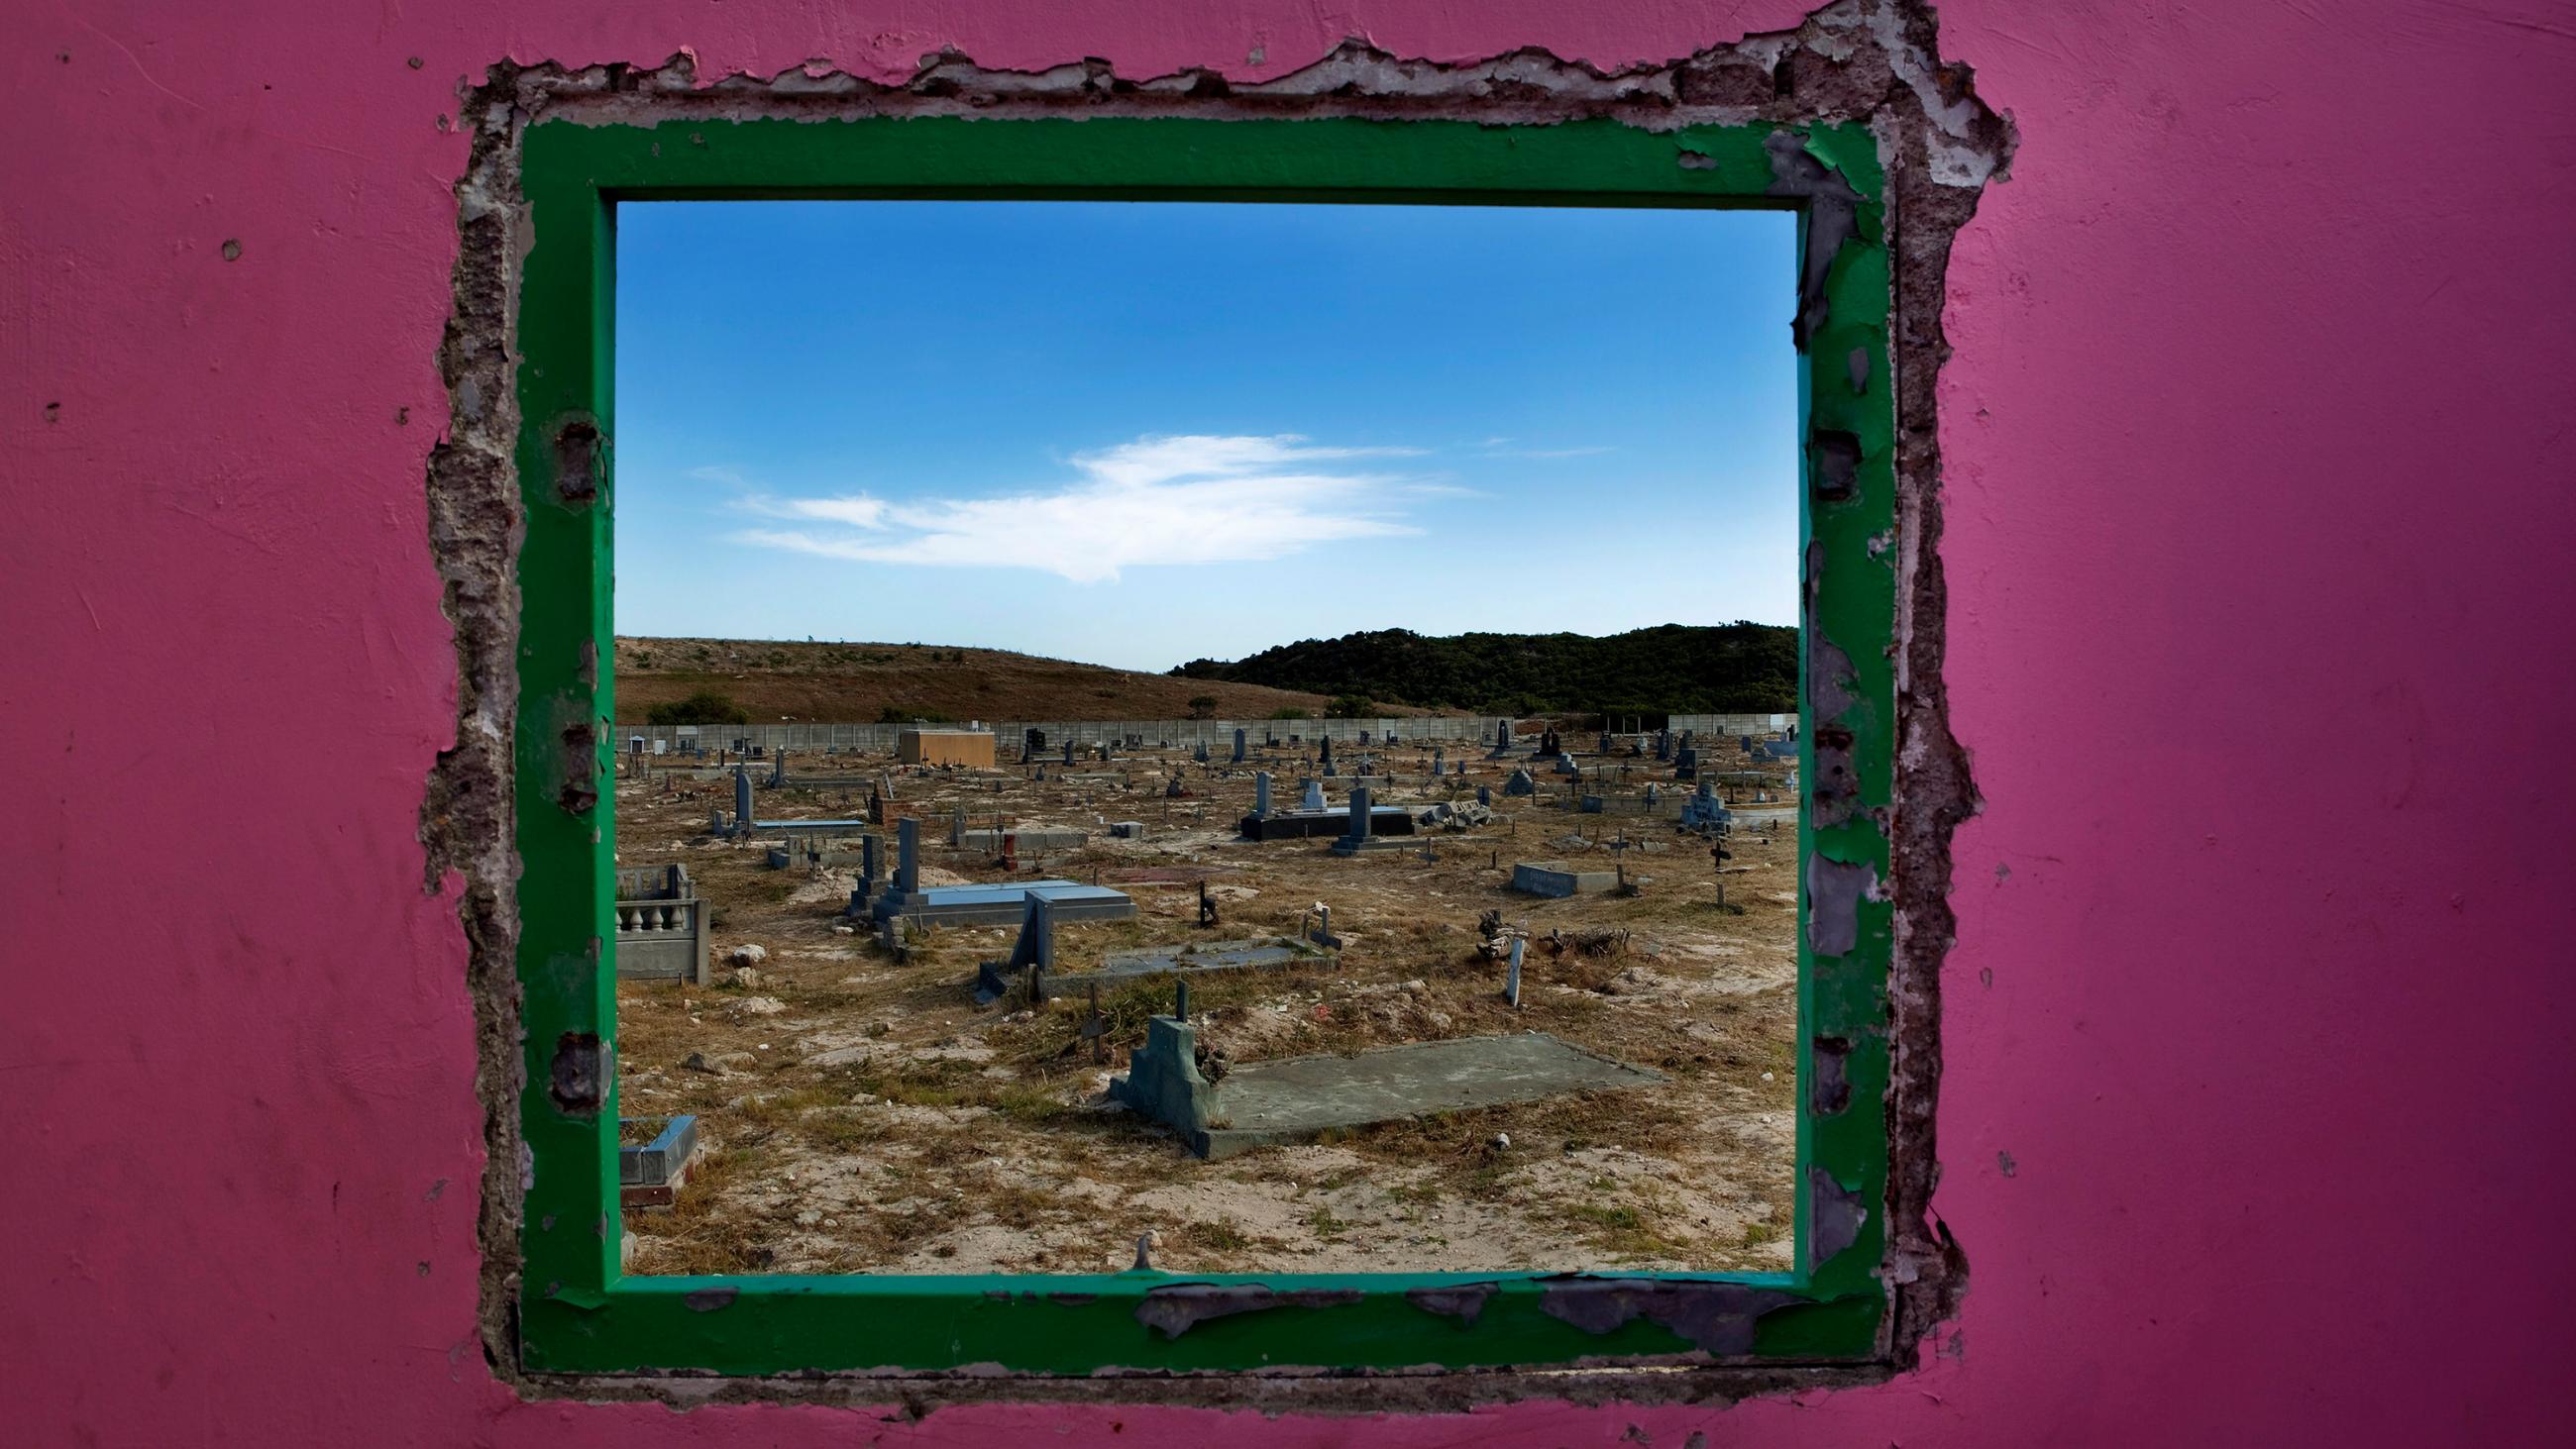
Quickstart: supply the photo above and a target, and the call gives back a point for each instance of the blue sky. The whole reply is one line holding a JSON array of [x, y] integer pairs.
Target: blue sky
[[1136, 433]]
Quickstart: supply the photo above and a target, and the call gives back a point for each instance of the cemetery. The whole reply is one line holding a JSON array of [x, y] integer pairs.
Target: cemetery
[[1292, 999]]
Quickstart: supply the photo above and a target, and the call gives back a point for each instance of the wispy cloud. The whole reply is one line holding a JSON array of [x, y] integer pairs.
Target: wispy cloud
[[1157, 500]]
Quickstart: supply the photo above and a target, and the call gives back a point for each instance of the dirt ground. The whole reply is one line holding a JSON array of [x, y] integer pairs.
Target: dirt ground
[[865, 1115]]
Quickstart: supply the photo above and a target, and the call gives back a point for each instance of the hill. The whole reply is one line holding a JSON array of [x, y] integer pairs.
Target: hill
[[859, 683], [1671, 668]]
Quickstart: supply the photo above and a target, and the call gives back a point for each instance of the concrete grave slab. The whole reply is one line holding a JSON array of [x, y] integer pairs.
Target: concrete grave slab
[[1261, 1104]]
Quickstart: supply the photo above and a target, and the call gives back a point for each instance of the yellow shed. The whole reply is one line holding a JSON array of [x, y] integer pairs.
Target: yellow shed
[[970, 748]]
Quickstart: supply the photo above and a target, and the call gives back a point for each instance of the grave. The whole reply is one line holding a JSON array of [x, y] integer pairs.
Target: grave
[[1030, 839], [1702, 811], [651, 1175], [1238, 746], [1502, 749], [1262, 1104], [1520, 783], [999, 905], [1304, 824], [995, 980], [1556, 879], [1358, 832], [661, 926]]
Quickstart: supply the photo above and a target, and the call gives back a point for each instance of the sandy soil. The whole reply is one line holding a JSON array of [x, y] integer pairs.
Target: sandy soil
[[864, 1115]]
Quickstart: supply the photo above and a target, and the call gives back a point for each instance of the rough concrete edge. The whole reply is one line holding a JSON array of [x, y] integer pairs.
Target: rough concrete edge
[[1873, 61], [468, 821]]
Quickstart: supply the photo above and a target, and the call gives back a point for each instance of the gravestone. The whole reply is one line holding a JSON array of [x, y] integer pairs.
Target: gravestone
[[1520, 783], [1512, 977], [1199, 753], [1261, 792], [1238, 747], [1484, 794], [1686, 763], [741, 803], [1313, 798]]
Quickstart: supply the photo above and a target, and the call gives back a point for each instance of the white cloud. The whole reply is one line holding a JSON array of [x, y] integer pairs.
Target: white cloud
[[1157, 500]]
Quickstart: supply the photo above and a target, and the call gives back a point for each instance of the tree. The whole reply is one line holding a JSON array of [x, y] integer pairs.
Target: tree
[[705, 707], [1353, 706], [1203, 706]]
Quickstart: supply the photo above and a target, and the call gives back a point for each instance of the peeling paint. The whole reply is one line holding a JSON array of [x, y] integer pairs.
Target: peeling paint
[[708, 1300], [1833, 217], [1828, 1088], [579, 1084], [1716, 1318], [1834, 892], [1180, 1307], [1834, 1216], [1464, 1301]]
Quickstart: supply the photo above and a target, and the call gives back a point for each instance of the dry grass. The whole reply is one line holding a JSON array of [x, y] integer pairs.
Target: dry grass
[[881, 1122], [774, 680]]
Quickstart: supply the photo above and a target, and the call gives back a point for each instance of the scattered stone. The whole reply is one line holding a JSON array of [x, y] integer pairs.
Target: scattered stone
[[759, 1006], [748, 954]]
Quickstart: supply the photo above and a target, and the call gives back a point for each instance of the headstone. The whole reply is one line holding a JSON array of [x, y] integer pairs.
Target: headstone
[[1261, 793], [1359, 827], [1199, 753], [778, 770], [1520, 783], [1238, 747], [1686, 763], [957, 824], [741, 802], [1314, 797], [907, 857], [1512, 976], [1326, 759], [1485, 795], [1605, 744], [1068, 752], [1663, 744]]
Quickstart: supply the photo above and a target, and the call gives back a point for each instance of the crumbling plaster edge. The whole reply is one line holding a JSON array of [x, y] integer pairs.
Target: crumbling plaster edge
[[1872, 61]]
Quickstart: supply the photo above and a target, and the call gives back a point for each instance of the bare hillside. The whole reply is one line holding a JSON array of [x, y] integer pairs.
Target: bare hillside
[[775, 680]]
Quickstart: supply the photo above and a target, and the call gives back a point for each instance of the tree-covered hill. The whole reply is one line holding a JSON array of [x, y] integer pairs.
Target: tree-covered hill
[[1671, 668]]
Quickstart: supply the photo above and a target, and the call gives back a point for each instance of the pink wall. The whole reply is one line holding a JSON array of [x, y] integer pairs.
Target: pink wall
[[2259, 510]]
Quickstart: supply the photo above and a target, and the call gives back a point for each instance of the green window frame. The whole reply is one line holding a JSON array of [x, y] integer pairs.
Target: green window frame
[[578, 1313]]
